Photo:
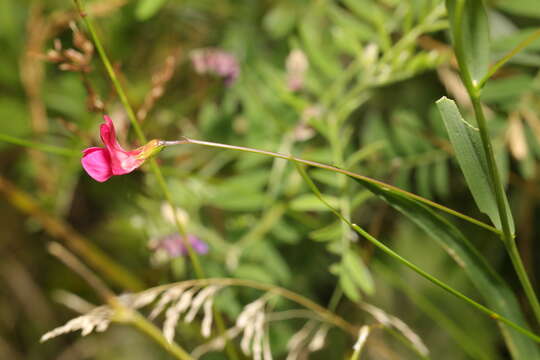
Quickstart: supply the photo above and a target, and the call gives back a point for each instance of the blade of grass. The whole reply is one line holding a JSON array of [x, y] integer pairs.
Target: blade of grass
[[52, 149], [452, 326], [497, 294], [492, 314], [340, 171]]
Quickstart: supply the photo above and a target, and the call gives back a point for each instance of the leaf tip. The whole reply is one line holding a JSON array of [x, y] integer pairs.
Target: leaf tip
[[443, 98]]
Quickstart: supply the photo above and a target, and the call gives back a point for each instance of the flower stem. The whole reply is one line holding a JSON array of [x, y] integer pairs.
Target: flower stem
[[153, 165], [344, 172], [474, 90], [140, 135]]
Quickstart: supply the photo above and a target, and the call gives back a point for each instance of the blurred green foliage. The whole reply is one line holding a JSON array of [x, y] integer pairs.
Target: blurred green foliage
[[365, 103]]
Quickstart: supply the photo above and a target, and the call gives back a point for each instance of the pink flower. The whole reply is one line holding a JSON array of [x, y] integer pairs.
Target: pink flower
[[217, 62], [102, 163]]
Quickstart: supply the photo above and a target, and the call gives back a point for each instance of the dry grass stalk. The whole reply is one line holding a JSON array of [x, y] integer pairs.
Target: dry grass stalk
[[515, 136], [393, 322], [189, 298], [32, 74], [362, 338], [96, 320], [159, 81]]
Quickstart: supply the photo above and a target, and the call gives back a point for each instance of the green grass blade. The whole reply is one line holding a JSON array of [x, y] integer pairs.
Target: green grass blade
[[52, 149], [472, 160], [495, 291]]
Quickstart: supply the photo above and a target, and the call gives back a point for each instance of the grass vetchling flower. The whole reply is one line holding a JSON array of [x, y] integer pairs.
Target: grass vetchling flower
[[102, 163]]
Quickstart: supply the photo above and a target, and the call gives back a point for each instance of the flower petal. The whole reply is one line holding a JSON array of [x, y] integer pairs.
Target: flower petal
[[108, 135], [121, 161], [97, 163], [198, 245]]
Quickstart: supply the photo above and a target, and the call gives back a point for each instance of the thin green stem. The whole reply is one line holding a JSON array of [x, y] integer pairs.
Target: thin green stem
[[153, 164], [513, 253], [474, 94], [459, 49], [140, 135], [52, 149], [414, 267], [500, 196], [131, 317], [341, 171], [522, 45], [492, 314]]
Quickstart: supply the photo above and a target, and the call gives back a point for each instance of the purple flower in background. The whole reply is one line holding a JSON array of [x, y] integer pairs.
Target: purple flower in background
[[217, 62], [297, 66], [173, 245]]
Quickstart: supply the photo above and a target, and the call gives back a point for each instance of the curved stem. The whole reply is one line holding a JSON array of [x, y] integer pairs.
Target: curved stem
[[341, 171]]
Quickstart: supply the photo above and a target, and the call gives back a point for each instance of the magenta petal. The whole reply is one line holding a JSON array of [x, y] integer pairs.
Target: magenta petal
[[97, 163], [121, 161], [108, 135]]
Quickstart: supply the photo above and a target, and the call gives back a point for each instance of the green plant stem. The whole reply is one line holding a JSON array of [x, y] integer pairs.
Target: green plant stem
[[153, 164], [415, 268], [341, 171], [131, 317], [474, 94], [133, 119], [513, 253], [444, 286], [52, 149]]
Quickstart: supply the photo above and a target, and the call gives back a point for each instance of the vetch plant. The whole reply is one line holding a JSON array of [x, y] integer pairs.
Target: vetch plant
[[259, 218]]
